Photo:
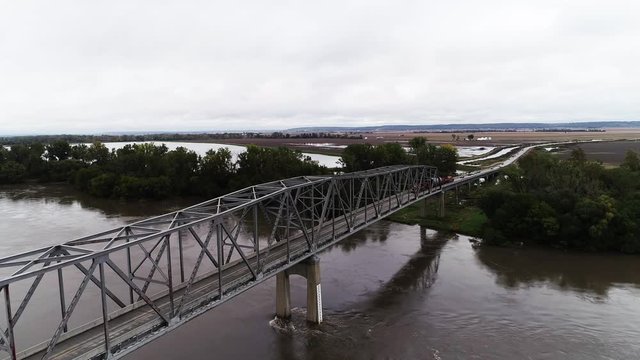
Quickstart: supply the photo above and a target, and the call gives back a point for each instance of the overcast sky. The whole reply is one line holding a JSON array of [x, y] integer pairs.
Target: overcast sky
[[92, 66]]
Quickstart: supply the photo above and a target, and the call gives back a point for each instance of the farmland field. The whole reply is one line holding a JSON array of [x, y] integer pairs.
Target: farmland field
[[335, 145], [610, 153]]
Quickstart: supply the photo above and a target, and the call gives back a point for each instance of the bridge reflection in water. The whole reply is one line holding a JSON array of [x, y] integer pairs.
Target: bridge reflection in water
[[347, 331], [419, 272], [153, 275]]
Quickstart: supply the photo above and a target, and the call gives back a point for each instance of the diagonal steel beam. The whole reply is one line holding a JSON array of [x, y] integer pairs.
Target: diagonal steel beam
[[196, 267], [72, 306], [155, 267], [147, 254], [97, 282], [300, 222], [204, 248], [137, 290], [244, 258]]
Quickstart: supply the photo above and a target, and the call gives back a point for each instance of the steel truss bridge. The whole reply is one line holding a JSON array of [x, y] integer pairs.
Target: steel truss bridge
[[105, 294]]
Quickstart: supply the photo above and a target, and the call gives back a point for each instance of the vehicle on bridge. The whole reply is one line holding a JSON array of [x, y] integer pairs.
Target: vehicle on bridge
[[432, 183]]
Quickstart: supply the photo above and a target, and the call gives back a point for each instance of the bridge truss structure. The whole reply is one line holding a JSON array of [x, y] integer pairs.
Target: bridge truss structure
[[101, 296]]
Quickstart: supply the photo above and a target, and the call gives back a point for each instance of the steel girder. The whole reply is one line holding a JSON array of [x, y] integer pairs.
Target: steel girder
[[155, 274]]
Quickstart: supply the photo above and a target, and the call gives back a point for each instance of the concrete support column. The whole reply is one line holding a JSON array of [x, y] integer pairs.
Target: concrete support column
[[314, 290], [423, 233], [283, 295], [424, 239], [309, 269], [423, 208], [457, 196], [441, 212]]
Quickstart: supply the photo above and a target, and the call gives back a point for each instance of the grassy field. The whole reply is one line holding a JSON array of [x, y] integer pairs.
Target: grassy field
[[465, 219], [609, 153], [467, 168]]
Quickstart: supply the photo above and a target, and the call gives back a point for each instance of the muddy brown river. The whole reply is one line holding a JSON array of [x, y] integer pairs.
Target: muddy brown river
[[388, 291]]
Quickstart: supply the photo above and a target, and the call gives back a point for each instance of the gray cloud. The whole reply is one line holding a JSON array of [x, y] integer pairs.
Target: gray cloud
[[84, 66]]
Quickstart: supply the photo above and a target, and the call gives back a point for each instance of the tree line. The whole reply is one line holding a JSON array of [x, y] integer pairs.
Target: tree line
[[572, 204], [146, 170], [71, 138], [150, 171], [357, 157]]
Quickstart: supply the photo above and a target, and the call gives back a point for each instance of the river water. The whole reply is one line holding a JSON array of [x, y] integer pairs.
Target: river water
[[391, 291]]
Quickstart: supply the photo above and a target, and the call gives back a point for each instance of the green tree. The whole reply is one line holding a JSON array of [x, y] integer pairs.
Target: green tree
[[140, 160], [578, 155], [63, 170], [103, 185], [4, 154], [266, 164], [131, 187], [98, 153], [58, 150], [358, 157], [446, 158], [216, 171], [80, 152], [389, 154], [12, 172], [182, 167], [31, 157], [571, 204], [631, 161], [443, 157], [417, 142], [82, 178]]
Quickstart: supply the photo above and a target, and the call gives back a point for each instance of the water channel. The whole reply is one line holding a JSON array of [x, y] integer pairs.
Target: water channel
[[389, 292]]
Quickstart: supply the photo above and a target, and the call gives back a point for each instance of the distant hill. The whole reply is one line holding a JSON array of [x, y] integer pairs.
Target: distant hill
[[596, 125]]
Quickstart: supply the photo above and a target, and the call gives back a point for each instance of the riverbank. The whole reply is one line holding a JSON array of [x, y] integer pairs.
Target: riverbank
[[466, 219]]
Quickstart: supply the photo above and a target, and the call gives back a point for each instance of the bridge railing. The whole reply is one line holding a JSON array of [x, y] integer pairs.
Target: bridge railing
[[111, 289]]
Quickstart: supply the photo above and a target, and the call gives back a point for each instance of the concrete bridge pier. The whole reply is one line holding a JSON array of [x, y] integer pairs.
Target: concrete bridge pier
[[425, 240], [442, 197], [423, 235], [283, 295], [424, 208], [309, 269]]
